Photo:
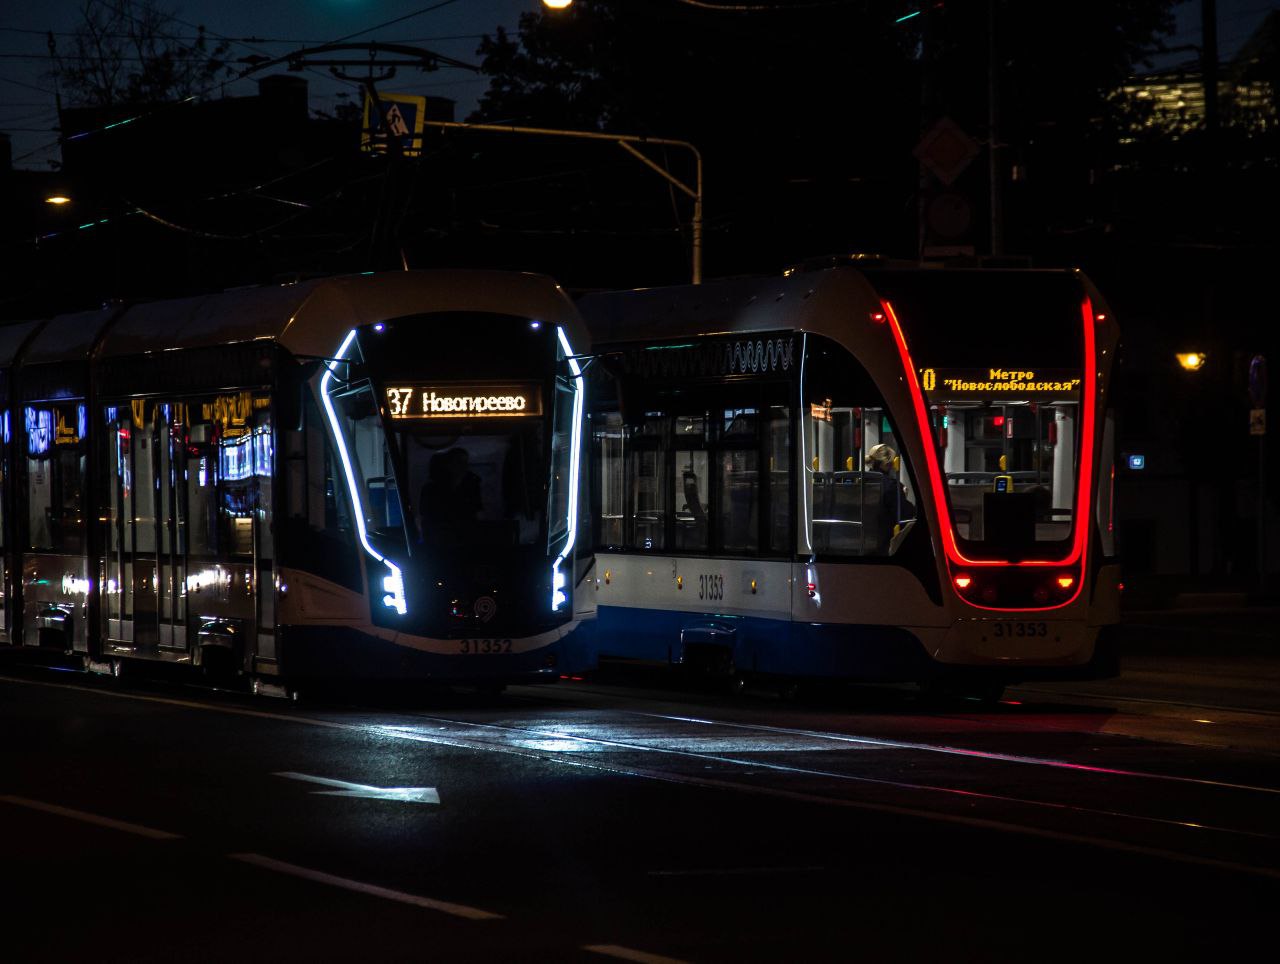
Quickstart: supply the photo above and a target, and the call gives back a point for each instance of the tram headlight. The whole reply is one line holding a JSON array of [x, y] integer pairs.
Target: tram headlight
[[393, 585]]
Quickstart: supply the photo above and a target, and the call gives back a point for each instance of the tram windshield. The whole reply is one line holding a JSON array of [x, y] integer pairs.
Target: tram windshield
[[476, 489], [999, 358], [452, 424]]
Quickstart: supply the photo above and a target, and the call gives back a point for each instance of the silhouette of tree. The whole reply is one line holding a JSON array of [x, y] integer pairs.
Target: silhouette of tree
[[809, 115], [127, 53]]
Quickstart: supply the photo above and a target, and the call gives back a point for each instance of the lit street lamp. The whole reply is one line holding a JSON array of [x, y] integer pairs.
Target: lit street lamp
[[1191, 361]]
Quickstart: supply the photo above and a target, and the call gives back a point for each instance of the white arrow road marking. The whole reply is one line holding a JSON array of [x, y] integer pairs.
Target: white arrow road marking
[[345, 789]]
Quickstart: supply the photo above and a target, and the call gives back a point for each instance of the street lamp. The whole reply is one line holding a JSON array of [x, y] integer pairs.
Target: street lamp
[[57, 200], [556, 4], [1191, 361]]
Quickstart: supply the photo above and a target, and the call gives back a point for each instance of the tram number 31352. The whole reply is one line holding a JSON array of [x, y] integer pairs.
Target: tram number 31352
[[477, 647], [710, 586]]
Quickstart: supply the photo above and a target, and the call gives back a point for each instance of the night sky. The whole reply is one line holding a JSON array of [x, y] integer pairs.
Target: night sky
[[454, 30], [27, 105]]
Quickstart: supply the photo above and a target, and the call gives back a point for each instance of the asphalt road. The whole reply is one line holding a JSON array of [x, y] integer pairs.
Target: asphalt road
[[624, 820]]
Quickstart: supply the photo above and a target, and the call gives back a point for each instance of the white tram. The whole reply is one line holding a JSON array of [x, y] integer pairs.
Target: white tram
[[867, 473], [369, 476]]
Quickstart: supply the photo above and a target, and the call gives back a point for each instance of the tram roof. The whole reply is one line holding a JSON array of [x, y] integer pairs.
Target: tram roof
[[307, 317], [12, 338], [799, 301], [815, 301], [312, 317]]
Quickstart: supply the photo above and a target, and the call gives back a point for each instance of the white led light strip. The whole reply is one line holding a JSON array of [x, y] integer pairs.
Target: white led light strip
[[394, 582], [558, 582]]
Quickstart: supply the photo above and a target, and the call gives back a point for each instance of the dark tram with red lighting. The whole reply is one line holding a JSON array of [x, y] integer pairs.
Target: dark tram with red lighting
[[867, 472]]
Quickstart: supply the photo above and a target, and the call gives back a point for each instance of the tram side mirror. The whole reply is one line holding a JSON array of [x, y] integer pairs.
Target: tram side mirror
[[291, 399], [607, 387]]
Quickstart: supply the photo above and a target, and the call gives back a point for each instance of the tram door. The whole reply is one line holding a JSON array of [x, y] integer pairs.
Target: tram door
[[145, 599], [264, 544], [6, 589], [171, 524], [144, 525]]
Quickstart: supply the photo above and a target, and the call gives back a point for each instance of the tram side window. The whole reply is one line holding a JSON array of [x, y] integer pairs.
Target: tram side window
[[738, 505], [648, 497], [561, 463], [375, 474], [4, 482], [778, 446], [692, 528], [318, 533], [609, 443], [55, 477], [858, 495], [201, 469]]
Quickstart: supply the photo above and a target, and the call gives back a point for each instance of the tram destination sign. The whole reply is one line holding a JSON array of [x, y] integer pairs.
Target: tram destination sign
[[993, 384], [463, 401]]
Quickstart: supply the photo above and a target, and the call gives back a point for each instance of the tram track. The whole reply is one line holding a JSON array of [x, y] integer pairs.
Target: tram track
[[1238, 848]]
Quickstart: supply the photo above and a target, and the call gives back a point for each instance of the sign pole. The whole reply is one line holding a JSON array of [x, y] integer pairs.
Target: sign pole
[[1258, 426]]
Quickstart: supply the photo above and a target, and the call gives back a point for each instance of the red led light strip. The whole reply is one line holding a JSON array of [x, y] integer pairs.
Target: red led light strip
[[1080, 535]]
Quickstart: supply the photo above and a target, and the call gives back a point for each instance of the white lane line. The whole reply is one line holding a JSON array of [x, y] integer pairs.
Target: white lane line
[[665, 776], [630, 954], [735, 871], [360, 887], [86, 817]]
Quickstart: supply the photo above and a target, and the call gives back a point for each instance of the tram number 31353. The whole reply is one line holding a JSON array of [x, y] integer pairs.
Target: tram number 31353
[[710, 586]]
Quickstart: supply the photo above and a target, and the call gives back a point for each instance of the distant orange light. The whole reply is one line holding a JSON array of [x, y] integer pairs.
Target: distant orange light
[[1066, 582], [1191, 361], [963, 582], [58, 199], [1100, 318]]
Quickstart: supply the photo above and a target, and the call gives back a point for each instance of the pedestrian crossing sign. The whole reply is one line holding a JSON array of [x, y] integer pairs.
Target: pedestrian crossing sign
[[393, 120]]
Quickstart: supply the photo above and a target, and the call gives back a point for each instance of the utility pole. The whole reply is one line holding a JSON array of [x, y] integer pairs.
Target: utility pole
[[1209, 69], [995, 175]]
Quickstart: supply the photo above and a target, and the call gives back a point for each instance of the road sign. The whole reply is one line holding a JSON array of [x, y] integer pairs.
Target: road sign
[[1258, 381], [345, 789], [395, 118], [1257, 421], [946, 150]]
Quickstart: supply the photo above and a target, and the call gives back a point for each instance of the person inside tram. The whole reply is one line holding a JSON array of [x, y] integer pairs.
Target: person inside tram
[[450, 499], [893, 504]]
